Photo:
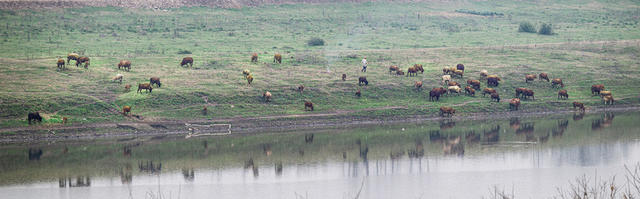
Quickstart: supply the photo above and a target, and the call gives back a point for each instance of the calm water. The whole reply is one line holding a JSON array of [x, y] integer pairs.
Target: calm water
[[530, 156]]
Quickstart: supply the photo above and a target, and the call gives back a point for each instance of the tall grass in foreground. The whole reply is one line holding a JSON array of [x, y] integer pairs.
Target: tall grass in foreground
[[585, 188]]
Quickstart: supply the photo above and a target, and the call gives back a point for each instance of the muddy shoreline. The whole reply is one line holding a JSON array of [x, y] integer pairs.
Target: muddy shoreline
[[245, 126]]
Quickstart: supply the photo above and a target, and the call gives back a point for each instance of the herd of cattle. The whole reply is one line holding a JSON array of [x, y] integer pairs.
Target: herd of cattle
[[449, 85]]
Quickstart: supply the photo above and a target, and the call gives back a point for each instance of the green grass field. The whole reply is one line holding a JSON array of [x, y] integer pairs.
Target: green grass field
[[595, 42]]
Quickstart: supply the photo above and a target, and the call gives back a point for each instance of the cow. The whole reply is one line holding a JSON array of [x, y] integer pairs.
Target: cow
[[145, 86], [72, 56], [412, 71], [418, 85], [493, 80], [608, 99], [301, 88], [460, 67], [127, 87], [35, 116], [475, 84], [520, 91], [488, 91], [393, 68], [447, 110], [156, 81], [470, 91], [60, 63], [595, 89], [528, 78], [308, 106], [363, 80], [578, 105], [495, 96], [277, 58], [435, 93], [266, 96], [187, 60], [118, 77], [514, 103], [563, 94], [83, 60], [454, 89], [556, 82], [249, 79], [126, 110], [358, 93], [446, 79], [254, 57], [544, 76], [124, 64], [344, 77], [529, 93], [418, 67]]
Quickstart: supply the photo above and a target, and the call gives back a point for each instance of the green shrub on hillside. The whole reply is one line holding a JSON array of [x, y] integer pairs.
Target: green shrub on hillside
[[315, 42], [546, 29], [527, 27]]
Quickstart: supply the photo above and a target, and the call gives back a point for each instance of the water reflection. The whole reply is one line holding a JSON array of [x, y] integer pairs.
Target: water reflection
[[605, 121], [492, 136], [34, 154], [559, 130], [149, 167], [188, 174], [80, 181]]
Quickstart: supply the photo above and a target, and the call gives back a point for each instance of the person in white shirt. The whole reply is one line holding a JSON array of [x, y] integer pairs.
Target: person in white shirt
[[364, 64]]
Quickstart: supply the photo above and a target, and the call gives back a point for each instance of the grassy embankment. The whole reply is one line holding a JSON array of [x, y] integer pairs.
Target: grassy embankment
[[221, 41]]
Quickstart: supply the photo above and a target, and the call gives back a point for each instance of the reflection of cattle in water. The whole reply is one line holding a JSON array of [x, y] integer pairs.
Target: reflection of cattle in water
[[149, 167], [396, 155], [492, 136], [559, 130], [266, 148], [514, 123], [453, 147], [250, 164], [434, 136], [604, 122], [526, 128], [126, 176], [418, 151], [447, 124], [544, 139], [308, 138], [188, 174], [577, 117], [364, 150], [472, 137], [34, 154], [278, 168], [80, 181]]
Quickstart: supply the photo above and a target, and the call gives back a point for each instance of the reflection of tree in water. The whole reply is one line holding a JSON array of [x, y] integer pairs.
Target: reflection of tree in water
[[149, 167], [126, 176], [453, 146], [605, 121], [492, 136], [418, 150], [308, 138], [188, 174], [34, 154], [80, 181], [472, 137], [266, 149], [559, 130], [278, 168], [250, 164]]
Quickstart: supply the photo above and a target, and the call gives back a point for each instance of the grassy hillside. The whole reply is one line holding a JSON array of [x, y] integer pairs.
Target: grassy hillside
[[595, 42]]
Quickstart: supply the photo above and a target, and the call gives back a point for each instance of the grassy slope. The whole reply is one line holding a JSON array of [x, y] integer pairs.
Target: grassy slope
[[387, 33]]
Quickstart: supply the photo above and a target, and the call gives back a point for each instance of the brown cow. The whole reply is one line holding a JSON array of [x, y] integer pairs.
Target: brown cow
[[358, 93], [418, 85], [393, 68], [474, 83], [363, 80], [453, 83], [344, 77], [266, 96], [83, 60], [60, 63], [72, 56], [544, 76], [460, 67], [124, 64], [418, 67], [412, 71], [448, 110], [484, 74], [458, 73], [277, 58], [126, 110], [435, 93], [399, 72], [249, 79], [308, 105], [495, 96], [556, 82], [528, 78], [493, 80], [488, 91], [447, 70], [145, 86], [254, 57], [595, 89], [608, 99], [528, 93], [470, 91], [127, 87], [156, 81], [301, 88], [563, 94], [187, 60], [520, 91], [514, 103], [578, 105], [605, 93], [34, 117]]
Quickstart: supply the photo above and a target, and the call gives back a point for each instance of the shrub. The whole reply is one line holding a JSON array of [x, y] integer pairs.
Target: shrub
[[315, 42], [546, 29], [184, 52], [527, 27]]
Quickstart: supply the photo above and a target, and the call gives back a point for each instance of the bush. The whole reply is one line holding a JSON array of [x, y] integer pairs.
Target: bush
[[527, 27], [184, 52], [315, 42], [546, 29]]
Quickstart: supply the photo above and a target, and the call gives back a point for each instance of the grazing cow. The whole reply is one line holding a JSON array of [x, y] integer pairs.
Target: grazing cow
[[64, 120], [514, 103], [608, 99], [187, 60], [118, 77], [412, 71], [528, 78], [249, 79], [156, 81], [393, 68], [604, 93], [484, 74], [277, 58], [544, 76], [578, 105], [308, 105], [447, 70], [454, 89], [556, 82], [127, 87], [563, 94], [528, 93], [124, 64], [474, 83], [470, 91], [459, 73], [495, 96], [493, 80], [254, 57], [446, 79], [363, 80], [83, 60], [60, 63], [488, 91], [301, 88], [418, 67], [246, 72], [595, 89], [418, 85], [435, 93], [34, 117], [145, 86], [358, 93], [266, 96], [72, 56], [447, 110], [344, 77], [460, 67], [126, 110], [399, 72], [520, 91], [453, 83]]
